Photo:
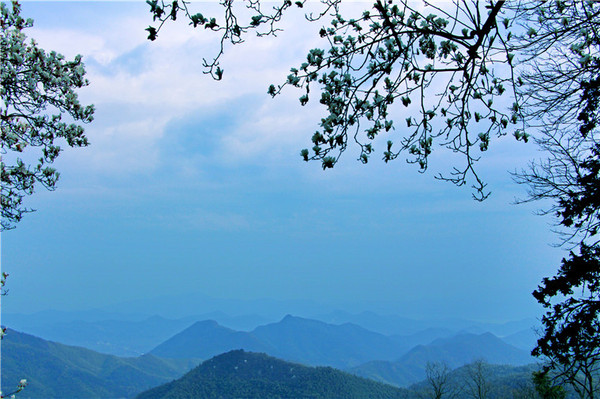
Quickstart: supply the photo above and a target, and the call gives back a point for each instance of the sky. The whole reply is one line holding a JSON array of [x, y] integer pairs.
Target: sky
[[196, 186]]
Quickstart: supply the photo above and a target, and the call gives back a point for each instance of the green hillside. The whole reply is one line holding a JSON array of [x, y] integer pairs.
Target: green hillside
[[55, 370], [247, 375]]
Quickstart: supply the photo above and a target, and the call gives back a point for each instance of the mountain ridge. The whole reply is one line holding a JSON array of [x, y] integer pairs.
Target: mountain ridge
[[293, 338]]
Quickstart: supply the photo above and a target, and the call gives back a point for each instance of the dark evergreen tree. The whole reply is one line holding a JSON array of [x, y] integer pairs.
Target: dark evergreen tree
[[571, 337], [544, 387]]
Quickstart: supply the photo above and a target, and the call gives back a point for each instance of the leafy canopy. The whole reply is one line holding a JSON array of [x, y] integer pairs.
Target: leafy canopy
[[37, 89], [563, 89], [571, 336], [445, 69]]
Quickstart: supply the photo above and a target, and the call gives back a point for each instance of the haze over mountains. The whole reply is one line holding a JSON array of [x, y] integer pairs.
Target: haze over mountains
[[172, 346], [155, 349], [110, 336], [134, 328], [390, 359], [60, 371], [293, 338], [247, 314]]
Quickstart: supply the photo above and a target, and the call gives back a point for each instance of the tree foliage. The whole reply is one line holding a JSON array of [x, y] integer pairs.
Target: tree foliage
[[439, 67], [37, 89], [571, 337], [20, 386], [444, 69], [563, 106], [3, 277], [544, 387]]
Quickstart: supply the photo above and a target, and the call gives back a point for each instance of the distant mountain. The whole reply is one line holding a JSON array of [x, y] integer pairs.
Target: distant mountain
[[317, 343], [57, 371], [293, 338], [524, 339], [464, 348], [115, 337], [205, 339], [397, 325], [115, 333], [181, 305], [54, 316], [240, 374], [247, 322], [422, 337], [511, 327], [131, 334], [455, 352], [383, 324]]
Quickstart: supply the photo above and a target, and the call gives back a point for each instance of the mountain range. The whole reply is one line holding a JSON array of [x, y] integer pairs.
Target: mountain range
[[114, 333], [293, 338], [132, 334], [397, 360], [59, 371], [391, 324]]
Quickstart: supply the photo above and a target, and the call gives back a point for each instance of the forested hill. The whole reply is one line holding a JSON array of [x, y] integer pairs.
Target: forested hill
[[55, 370], [248, 375]]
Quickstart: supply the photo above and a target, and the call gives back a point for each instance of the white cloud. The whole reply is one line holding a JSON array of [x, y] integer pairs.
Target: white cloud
[[140, 86], [70, 43], [163, 80]]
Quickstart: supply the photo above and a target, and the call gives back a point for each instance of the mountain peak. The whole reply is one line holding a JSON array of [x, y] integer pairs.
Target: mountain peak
[[206, 323], [204, 339]]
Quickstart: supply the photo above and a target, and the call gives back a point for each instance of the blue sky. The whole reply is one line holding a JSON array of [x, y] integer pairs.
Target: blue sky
[[192, 185]]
